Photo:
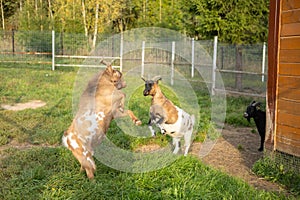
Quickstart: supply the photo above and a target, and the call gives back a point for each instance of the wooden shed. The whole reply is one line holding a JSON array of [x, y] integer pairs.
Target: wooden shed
[[283, 89]]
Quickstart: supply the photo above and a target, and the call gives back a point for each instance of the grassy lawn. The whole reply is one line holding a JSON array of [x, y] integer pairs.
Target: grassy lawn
[[53, 173]]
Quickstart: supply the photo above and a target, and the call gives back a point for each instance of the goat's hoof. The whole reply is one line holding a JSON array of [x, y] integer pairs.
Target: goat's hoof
[[260, 149], [137, 122]]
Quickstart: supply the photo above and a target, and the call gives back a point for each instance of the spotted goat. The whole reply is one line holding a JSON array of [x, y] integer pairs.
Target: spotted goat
[[101, 102], [171, 119]]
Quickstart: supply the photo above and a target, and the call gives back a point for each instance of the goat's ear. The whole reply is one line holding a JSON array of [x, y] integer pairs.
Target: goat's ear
[[258, 105], [109, 69], [108, 66]]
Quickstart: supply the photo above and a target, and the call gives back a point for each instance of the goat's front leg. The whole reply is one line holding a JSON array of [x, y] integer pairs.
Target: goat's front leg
[[151, 128], [118, 109], [135, 120], [123, 113], [262, 141]]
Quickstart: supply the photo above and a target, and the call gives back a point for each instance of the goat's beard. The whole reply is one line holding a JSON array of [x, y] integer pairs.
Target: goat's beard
[[248, 118]]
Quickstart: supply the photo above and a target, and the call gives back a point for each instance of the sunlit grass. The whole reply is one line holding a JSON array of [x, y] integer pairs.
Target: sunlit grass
[[53, 173]]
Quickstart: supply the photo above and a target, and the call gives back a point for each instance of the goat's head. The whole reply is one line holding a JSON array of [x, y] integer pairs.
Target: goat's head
[[251, 110], [114, 76], [151, 86]]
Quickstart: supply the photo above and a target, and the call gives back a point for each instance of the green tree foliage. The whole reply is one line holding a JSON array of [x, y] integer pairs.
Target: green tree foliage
[[234, 21]]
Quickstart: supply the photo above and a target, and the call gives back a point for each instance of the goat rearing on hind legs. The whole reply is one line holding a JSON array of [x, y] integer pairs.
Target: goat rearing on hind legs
[[171, 119], [101, 102]]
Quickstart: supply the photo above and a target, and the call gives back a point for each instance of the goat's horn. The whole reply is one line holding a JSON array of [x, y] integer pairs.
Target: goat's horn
[[143, 79], [104, 63], [156, 78], [256, 104]]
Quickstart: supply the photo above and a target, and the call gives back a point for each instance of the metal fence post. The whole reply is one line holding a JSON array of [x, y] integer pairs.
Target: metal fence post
[[193, 57], [121, 52], [143, 59], [214, 66], [53, 50], [263, 63], [172, 62]]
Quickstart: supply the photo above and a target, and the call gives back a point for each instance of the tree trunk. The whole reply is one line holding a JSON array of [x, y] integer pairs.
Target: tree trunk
[[96, 25], [50, 13], [84, 18], [239, 67], [2, 16]]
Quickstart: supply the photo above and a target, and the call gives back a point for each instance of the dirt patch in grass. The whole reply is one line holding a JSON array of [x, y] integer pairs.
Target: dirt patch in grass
[[33, 104], [235, 153]]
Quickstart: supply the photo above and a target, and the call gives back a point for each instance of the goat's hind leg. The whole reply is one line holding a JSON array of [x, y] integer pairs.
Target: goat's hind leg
[[176, 143], [187, 142]]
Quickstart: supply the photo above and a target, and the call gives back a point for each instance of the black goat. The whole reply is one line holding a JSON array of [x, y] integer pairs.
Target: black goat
[[259, 116]]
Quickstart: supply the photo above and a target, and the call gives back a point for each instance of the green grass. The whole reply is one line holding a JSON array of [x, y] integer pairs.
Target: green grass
[[46, 124], [236, 106], [53, 173], [274, 169]]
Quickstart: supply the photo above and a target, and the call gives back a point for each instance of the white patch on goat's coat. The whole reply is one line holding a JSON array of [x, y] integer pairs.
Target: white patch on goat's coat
[[64, 141], [180, 126], [94, 119], [92, 162], [100, 116], [73, 142], [183, 127]]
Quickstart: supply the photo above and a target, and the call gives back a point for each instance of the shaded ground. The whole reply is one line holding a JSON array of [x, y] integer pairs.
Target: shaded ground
[[235, 153]]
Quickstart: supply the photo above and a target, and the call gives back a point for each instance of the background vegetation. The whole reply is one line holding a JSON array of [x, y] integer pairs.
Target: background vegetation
[[243, 21]]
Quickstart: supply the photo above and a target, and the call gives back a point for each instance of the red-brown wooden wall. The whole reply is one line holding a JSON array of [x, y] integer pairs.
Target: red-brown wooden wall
[[284, 75]]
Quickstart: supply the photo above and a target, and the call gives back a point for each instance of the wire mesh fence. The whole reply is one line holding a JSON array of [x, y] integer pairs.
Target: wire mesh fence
[[240, 66]]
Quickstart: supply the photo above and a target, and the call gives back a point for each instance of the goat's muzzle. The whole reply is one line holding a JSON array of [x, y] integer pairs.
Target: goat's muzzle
[[246, 115], [146, 92]]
